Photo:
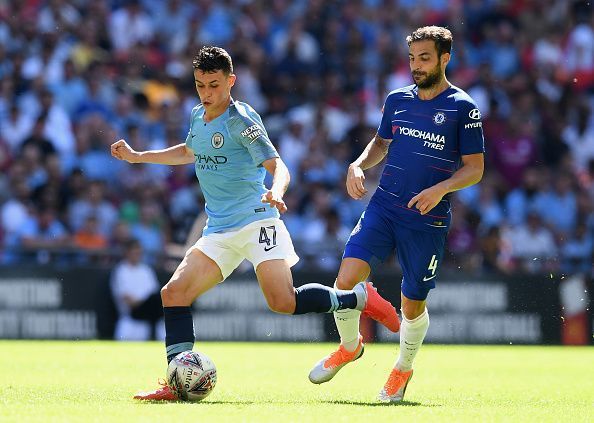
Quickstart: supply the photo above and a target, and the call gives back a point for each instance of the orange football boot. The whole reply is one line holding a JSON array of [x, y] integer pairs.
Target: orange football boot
[[164, 393], [328, 366], [395, 387], [380, 309]]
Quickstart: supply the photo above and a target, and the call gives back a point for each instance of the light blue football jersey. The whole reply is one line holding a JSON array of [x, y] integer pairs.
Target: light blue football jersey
[[229, 152]]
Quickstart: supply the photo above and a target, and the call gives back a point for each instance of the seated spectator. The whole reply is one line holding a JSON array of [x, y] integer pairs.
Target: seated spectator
[[135, 291], [88, 238], [577, 251], [523, 198], [43, 234], [93, 203], [557, 206], [495, 252], [16, 127], [513, 152], [533, 247], [148, 231]]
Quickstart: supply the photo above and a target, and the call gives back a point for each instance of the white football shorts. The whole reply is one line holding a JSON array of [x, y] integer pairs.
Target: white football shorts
[[262, 240]]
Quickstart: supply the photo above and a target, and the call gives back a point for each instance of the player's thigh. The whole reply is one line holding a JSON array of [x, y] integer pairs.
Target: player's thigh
[[276, 282], [195, 275], [352, 271], [370, 242], [420, 255]]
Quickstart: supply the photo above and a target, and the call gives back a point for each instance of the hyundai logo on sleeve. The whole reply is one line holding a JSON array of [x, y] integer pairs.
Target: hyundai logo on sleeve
[[474, 114]]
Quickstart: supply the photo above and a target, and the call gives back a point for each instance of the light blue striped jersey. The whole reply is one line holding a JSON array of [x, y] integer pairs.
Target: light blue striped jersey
[[229, 152]]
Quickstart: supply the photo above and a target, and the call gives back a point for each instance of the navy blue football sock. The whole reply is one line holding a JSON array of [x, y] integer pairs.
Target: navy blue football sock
[[179, 330], [317, 298]]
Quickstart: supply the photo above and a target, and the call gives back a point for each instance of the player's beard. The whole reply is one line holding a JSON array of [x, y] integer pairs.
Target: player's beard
[[431, 79]]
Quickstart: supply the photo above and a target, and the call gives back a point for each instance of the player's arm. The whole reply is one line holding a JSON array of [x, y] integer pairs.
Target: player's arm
[[280, 182], [469, 174], [374, 153], [176, 155]]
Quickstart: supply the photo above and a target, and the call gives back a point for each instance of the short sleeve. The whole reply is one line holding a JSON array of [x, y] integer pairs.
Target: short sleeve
[[470, 128], [385, 127], [189, 136], [248, 130]]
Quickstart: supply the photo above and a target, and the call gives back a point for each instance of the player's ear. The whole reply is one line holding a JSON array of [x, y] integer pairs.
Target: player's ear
[[232, 78], [445, 59]]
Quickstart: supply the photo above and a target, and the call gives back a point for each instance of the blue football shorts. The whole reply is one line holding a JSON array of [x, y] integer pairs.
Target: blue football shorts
[[420, 253]]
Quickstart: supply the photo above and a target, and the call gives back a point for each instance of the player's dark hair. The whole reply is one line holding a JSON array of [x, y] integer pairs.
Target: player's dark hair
[[442, 37], [211, 59]]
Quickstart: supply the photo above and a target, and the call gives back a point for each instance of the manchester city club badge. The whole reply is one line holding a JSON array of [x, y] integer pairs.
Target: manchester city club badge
[[217, 140]]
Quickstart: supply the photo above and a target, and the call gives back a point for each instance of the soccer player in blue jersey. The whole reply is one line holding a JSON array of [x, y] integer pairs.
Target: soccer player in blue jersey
[[231, 152], [431, 136]]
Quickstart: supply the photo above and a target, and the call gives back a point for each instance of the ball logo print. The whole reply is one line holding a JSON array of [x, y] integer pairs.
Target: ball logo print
[[217, 140], [474, 114], [192, 376]]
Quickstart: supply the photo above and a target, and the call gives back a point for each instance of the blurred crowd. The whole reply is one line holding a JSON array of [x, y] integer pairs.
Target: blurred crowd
[[77, 75]]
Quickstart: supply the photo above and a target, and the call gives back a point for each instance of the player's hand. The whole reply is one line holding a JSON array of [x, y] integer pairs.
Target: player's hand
[[354, 182], [121, 150], [427, 199], [275, 200]]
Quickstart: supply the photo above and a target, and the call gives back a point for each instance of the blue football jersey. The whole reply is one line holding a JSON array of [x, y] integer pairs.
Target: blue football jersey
[[429, 137], [229, 151]]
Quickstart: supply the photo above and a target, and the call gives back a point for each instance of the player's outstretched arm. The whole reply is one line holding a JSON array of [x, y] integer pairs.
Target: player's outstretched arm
[[176, 155], [374, 153], [280, 182], [469, 174]]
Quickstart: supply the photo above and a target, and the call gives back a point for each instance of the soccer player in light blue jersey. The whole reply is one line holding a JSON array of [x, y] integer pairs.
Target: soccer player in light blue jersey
[[431, 136], [230, 149]]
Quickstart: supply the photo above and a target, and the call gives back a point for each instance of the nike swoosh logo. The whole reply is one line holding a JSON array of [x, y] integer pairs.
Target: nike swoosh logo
[[425, 279], [193, 135], [397, 112], [270, 248]]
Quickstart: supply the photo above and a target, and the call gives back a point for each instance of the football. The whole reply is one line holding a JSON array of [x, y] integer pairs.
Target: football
[[192, 376]]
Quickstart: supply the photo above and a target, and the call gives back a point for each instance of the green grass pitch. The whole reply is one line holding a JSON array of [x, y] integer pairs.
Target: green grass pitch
[[94, 381]]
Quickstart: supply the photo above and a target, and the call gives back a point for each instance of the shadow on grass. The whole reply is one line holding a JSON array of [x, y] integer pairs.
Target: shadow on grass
[[337, 402], [382, 404], [238, 402]]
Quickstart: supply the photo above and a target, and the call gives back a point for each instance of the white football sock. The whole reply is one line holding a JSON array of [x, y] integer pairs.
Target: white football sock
[[347, 323], [412, 333]]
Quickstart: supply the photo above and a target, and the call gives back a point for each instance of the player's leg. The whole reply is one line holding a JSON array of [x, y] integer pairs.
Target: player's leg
[[276, 282], [352, 271], [195, 275], [420, 255], [207, 263], [267, 244], [370, 241]]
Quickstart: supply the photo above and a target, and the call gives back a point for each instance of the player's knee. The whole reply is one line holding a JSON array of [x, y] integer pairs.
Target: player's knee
[[172, 295], [284, 304], [412, 309], [345, 282]]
